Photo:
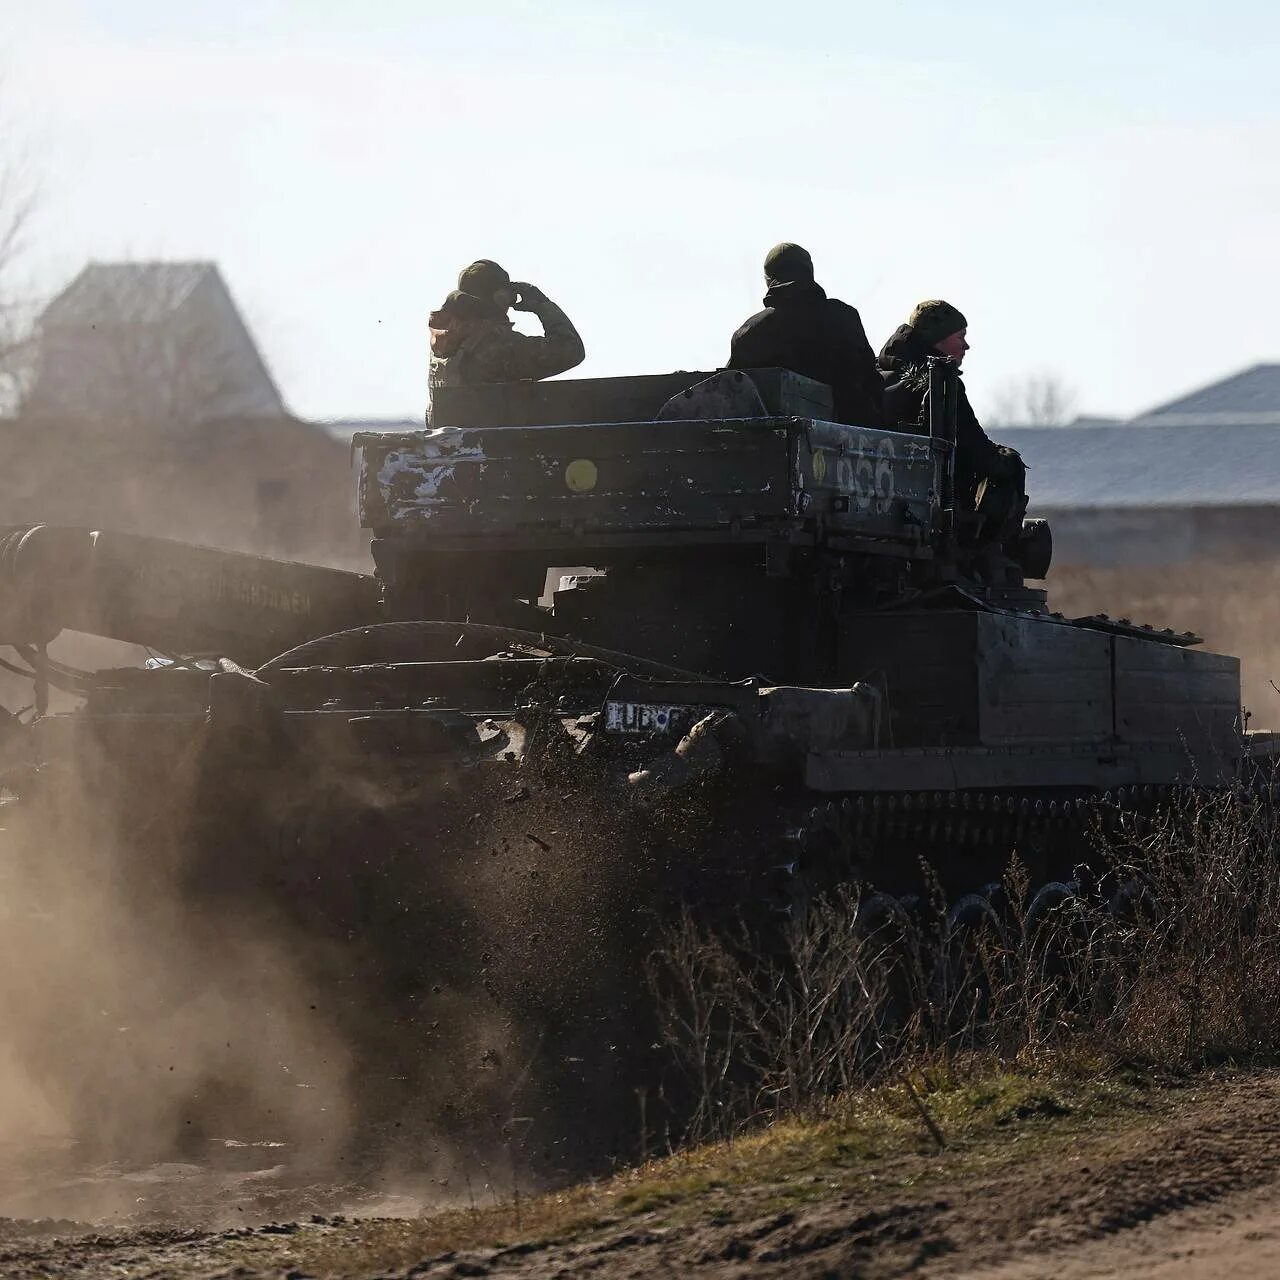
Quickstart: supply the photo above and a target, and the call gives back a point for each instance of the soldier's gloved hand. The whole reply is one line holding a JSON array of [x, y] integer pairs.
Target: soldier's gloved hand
[[531, 297], [1005, 463]]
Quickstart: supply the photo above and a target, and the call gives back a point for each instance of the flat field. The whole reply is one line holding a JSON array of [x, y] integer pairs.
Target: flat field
[[1234, 605]]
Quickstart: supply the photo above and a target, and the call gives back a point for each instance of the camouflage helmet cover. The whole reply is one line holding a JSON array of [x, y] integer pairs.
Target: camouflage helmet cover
[[482, 279]]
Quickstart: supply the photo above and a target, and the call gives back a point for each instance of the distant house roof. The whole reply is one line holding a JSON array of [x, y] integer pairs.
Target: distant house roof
[[137, 292], [149, 339], [1219, 446], [1223, 465], [1093, 420], [1252, 395]]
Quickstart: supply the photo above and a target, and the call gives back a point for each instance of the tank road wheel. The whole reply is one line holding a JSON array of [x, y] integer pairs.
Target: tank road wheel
[[1058, 945], [892, 963], [1134, 903], [813, 852], [971, 964], [1134, 915]]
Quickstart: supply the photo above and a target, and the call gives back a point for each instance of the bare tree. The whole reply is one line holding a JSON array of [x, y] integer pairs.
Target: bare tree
[[17, 204], [1034, 400]]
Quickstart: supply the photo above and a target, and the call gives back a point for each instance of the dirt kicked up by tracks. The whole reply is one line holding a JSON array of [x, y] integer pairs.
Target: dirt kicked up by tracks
[[1169, 1182]]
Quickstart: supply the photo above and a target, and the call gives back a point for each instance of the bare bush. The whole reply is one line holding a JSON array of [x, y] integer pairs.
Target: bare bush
[[771, 1026], [1171, 955], [1196, 946], [17, 205], [1034, 400]]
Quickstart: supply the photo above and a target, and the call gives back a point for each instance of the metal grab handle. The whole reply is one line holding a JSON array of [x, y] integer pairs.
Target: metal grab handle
[[943, 424]]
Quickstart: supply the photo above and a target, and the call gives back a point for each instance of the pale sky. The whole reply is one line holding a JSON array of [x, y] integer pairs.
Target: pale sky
[[1096, 185]]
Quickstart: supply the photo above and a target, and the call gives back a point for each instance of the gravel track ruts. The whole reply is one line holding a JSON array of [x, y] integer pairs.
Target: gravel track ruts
[[1189, 1190]]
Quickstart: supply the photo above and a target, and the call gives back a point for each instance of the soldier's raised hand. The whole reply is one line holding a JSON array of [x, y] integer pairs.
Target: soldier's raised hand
[[530, 296]]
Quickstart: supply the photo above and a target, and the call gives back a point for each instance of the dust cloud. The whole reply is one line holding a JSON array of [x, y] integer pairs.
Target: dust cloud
[[400, 992], [147, 1025], [213, 1028], [139, 1026]]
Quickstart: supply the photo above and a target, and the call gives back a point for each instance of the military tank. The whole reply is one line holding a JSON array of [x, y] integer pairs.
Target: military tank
[[753, 647], [818, 599], [699, 559]]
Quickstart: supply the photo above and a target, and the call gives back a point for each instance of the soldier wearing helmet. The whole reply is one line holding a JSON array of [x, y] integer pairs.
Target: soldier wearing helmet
[[473, 341], [991, 480]]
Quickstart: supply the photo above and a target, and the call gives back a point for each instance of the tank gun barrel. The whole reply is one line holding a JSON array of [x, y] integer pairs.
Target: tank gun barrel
[[170, 595]]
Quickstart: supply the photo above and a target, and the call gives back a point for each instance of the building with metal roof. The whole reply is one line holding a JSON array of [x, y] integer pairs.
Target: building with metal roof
[[1198, 477], [1250, 396]]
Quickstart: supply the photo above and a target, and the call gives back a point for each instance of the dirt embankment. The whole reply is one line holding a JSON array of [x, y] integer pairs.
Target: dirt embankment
[[1184, 1183]]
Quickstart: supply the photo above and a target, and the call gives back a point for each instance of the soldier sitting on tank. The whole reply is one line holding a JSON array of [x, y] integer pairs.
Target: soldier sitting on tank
[[990, 478], [473, 341], [803, 330]]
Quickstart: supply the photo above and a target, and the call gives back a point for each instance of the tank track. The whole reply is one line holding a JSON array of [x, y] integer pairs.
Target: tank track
[[971, 818], [966, 837]]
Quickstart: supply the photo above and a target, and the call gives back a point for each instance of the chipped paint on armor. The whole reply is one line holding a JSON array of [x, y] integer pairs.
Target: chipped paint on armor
[[424, 475]]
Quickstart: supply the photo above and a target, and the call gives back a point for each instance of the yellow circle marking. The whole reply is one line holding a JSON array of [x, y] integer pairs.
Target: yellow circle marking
[[581, 475], [819, 465]]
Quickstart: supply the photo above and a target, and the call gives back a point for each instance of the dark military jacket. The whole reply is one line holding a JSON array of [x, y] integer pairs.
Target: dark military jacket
[[904, 367], [490, 350], [803, 330]]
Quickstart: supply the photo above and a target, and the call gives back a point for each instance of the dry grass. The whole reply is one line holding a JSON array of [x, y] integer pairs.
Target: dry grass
[[871, 1139], [1168, 954]]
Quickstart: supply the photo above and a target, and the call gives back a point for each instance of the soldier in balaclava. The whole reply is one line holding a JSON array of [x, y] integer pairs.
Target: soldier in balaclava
[[803, 330]]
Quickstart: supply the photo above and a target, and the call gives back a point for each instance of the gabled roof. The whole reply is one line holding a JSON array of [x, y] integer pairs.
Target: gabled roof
[[1216, 447], [135, 292], [1252, 395], [1231, 464], [138, 337]]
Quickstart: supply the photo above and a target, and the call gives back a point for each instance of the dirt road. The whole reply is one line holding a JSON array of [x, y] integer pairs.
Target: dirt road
[[1189, 1187], [1239, 1237]]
